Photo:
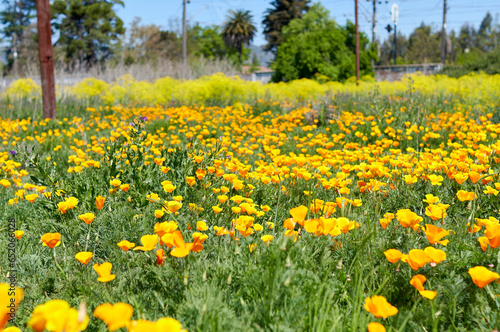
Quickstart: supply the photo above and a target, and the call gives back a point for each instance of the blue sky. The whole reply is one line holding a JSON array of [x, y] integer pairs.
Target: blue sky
[[168, 13]]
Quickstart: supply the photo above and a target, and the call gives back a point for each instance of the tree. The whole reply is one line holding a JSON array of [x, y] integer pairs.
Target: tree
[[387, 50], [238, 30], [485, 34], [316, 44], [209, 43], [19, 31], [148, 43], [424, 45], [255, 65], [89, 30], [276, 18]]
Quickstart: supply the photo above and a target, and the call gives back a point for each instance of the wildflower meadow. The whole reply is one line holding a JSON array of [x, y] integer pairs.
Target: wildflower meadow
[[223, 205]]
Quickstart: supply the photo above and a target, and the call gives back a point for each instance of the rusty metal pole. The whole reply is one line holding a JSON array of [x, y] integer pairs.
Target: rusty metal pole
[[46, 55], [357, 42]]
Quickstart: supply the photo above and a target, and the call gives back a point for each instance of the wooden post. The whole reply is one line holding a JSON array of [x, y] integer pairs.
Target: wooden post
[[357, 41], [46, 55]]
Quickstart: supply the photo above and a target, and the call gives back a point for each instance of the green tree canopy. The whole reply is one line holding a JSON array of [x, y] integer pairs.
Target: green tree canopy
[[238, 30], [209, 42], [18, 31], [277, 17], [88, 30], [316, 44]]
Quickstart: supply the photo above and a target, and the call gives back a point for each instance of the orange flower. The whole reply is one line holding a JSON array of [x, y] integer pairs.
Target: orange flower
[[149, 242], [115, 183], [266, 238], [160, 257], [376, 327], [216, 209], [492, 232], [18, 234], [461, 177], [463, 195], [474, 176], [84, 257], [435, 255], [125, 187], [57, 315], [481, 276], [407, 218], [99, 202], [417, 282], [125, 245], [173, 206], [9, 300], [418, 258], [435, 212], [435, 234], [393, 255], [299, 214], [435, 179], [190, 180], [31, 198], [181, 249], [87, 217], [5, 183], [201, 226], [104, 272], [379, 307], [484, 243], [115, 316], [51, 240], [431, 199]]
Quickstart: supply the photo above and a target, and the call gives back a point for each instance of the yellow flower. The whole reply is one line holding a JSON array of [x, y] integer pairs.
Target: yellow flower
[[104, 272], [9, 300], [125, 245], [379, 307], [376, 327], [31, 198], [125, 187], [87, 217], [435, 179], [51, 240], [18, 234], [481, 276], [267, 238], [149, 242], [5, 183], [115, 183], [57, 315], [173, 206], [84, 257], [99, 202], [201, 226], [115, 316]]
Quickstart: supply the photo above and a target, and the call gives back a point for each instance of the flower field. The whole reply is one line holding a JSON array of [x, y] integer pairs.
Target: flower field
[[328, 209]]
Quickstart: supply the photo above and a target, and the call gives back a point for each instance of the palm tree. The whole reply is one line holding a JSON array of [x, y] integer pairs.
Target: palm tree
[[279, 16], [238, 30]]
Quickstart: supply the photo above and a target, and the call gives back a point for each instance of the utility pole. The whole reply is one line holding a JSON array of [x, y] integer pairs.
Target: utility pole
[[46, 55], [357, 41], [374, 21], [443, 36], [395, 18], [184, 34]]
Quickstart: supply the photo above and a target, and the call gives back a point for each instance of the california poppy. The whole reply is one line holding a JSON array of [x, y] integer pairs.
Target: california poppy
[[114, 315], [379, 307]]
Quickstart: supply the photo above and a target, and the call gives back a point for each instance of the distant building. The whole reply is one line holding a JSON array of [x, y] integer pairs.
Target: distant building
[[396, 73], [262, 74]]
